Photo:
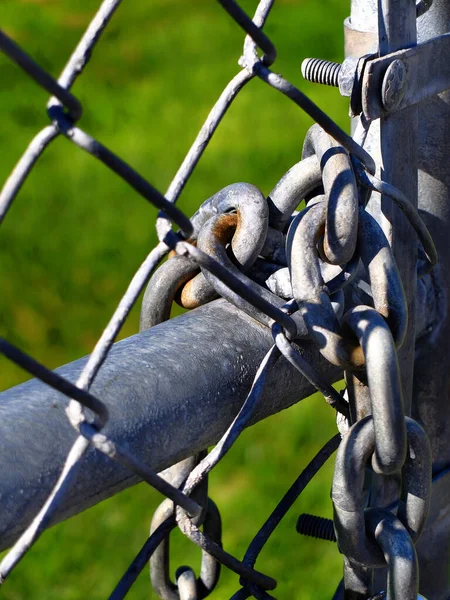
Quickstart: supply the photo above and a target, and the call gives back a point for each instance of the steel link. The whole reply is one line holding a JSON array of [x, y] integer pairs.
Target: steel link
[[348, 495], [186, 584], [310, 291], [384, 278], [335, 278], [383, 377], [253, 215], [159, 561], [341, 223], [399, 553], [250, 232], [241, 243], [312, 295], [162, 289], [213, 237], [301, 179]]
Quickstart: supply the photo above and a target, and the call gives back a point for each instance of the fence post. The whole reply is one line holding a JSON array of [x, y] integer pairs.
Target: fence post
[[431, 402], [410, 141]]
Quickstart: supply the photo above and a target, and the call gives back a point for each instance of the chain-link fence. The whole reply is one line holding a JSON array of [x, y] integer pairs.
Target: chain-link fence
[[326, 274]]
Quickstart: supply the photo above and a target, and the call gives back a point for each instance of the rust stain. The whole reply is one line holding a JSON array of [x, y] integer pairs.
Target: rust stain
[[223, 230], [225, 227]]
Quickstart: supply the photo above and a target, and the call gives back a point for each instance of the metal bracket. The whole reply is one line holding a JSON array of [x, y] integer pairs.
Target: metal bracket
[[407, 77]]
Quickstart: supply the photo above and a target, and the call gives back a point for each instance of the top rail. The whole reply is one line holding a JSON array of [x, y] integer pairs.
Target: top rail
[[168, 395]]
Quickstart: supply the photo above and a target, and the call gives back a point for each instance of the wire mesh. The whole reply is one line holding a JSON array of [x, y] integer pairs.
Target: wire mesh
[[189, 509]]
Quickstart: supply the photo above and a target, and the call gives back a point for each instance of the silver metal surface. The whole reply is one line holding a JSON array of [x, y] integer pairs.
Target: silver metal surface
[[394, 84], [397, 29], [204, 377], [431, 404], [139, 388], [424, 72], [430, 398], [341, 195], [399, 553]]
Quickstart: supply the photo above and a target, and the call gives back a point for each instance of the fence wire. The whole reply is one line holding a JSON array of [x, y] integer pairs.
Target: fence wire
[[235, 241]]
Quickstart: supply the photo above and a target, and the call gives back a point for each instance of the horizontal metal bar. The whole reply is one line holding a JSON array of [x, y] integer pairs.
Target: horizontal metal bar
[[171, 391], [426, 73]]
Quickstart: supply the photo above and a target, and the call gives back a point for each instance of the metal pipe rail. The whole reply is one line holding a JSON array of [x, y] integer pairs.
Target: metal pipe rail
[[171, 391]]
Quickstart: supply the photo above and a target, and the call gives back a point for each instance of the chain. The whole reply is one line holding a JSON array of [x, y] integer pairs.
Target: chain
[[297, 273]]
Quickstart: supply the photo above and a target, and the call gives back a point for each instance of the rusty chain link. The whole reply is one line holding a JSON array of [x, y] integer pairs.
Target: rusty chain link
[[297, 273]]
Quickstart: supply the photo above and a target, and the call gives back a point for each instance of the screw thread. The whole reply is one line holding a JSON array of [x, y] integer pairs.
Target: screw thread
[[317, 527], [321, 71]]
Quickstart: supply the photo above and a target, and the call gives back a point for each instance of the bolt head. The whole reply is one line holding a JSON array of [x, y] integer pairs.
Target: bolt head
[[394, 85]]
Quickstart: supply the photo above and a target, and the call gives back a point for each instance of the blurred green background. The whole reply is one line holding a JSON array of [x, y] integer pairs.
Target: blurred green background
[[76, 234]]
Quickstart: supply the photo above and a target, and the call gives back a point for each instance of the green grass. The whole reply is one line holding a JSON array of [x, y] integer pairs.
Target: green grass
[[76, 234]]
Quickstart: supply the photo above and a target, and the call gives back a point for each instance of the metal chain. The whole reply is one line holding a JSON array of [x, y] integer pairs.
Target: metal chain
[[297, 273]]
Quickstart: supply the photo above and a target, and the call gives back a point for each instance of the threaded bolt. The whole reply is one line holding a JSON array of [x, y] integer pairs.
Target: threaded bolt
[[321, 71], [316, 527]]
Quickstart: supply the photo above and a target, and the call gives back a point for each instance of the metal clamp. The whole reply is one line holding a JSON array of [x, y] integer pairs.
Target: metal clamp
[[405, 78]]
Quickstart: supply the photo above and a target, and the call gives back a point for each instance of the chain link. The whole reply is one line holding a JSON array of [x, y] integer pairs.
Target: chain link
[[257, 252]]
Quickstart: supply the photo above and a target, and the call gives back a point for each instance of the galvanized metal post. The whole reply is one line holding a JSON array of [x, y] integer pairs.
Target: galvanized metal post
[[431, 381], [431, 402], [393, 142], [416, 140], [373, 27], [398, 144]]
